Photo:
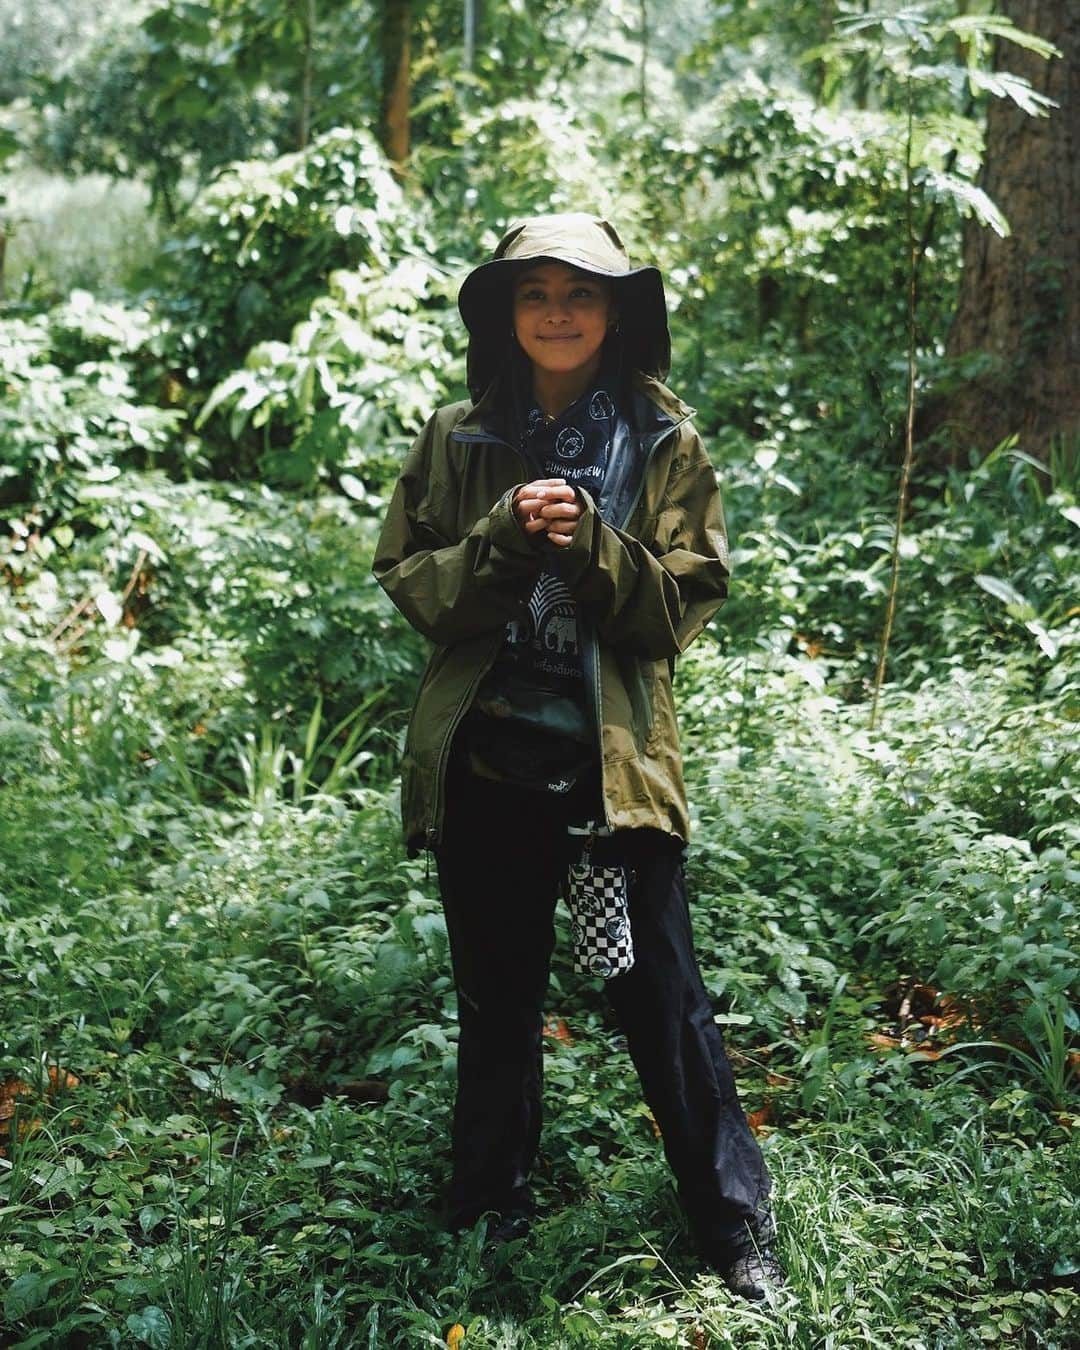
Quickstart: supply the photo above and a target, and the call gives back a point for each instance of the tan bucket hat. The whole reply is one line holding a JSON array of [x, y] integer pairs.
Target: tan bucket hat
[[580, 240]]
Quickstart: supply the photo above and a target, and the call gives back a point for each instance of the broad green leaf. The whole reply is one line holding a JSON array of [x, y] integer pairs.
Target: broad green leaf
[[1003, 591], [109, 607], [28, 1292], [967, 26], [152, 1326], [143, 541], [353, 487], [1001, 84]]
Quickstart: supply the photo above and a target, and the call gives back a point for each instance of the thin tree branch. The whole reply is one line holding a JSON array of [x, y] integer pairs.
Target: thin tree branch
[[909, 430], [140, 563], [643, 90], [303, 129]]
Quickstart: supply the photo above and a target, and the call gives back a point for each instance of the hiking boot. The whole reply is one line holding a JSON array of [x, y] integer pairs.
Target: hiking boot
[[502, 1241], [755, 1274], [506, 1228]]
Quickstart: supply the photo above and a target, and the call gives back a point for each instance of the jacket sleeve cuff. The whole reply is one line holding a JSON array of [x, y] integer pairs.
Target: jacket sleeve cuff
[[572, 559], [506, 531]]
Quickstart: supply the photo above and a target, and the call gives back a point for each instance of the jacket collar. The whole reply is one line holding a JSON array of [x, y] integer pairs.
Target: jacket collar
[[653, 409]]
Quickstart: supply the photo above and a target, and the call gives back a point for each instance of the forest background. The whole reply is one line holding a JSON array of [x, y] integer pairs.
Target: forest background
[[230, 238]]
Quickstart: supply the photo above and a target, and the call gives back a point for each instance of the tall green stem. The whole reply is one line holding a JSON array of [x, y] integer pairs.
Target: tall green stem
[[909, 427], [643, 88], [303, 129]]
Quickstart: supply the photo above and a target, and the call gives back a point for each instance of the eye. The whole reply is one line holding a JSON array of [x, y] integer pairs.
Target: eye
[[582, 293], [530, 293]]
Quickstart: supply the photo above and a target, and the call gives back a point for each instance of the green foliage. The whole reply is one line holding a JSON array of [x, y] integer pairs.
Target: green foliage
[[804, 588], [97, 115], [70, 411], [990, 822], [225, 956], [36, 40], [260, 242], [290, 585], [802, 204], [94, 234], [205, 906], [523, 157], [217, 985], [250, 611], [188, 88], [358, 378]]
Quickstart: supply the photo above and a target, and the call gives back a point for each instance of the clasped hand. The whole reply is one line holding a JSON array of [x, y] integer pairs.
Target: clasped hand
[[551, 505]]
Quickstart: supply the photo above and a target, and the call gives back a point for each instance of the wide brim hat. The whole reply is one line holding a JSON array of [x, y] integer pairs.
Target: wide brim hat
[[588, 243]]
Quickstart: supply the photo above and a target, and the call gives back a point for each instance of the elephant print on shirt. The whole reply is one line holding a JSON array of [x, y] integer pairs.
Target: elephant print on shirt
[[559, 633], [550, 626]]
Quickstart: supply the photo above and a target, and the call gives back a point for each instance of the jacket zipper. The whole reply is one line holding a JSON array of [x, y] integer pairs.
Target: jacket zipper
[[594, 643]]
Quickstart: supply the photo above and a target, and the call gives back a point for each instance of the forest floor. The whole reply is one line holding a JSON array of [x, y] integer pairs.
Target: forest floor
[[234, 1030]]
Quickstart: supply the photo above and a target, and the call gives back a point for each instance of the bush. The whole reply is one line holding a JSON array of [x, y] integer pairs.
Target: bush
[[70, 407], [90, 233], [355, 381], [210, 613], [260, 242]]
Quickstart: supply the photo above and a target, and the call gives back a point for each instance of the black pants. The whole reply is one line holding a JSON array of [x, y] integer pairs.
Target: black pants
[[501, 865]]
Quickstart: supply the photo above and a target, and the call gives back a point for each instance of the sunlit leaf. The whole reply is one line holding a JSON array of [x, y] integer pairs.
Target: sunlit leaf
[[1003, 591], [968, 199], [967, 26]]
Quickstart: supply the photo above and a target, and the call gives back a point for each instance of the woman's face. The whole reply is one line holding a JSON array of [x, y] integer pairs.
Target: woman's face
[[561, 317]]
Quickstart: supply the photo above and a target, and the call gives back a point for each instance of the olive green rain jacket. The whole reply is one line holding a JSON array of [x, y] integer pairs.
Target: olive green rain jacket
[[647, 576]]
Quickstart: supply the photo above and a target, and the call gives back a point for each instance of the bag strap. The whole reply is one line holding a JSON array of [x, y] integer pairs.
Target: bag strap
[[592, 828]]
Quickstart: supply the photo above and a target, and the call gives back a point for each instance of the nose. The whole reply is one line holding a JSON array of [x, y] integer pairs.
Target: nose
[[558, 312]]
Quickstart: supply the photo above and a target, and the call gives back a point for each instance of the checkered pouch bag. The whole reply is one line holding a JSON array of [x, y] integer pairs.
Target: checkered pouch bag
[[598, 894]]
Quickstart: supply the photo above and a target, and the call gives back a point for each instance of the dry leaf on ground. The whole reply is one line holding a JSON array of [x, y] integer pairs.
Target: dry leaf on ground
[[555, 1029], [758, 1119]]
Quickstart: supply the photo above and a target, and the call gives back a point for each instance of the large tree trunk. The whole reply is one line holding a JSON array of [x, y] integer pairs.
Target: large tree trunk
[[394, 120], [1020, 297]]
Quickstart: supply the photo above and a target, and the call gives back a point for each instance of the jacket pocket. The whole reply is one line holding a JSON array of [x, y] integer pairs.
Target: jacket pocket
[[642, 686]]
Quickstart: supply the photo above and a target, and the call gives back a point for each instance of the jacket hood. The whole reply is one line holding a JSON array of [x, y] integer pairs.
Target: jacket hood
[[579, 240]]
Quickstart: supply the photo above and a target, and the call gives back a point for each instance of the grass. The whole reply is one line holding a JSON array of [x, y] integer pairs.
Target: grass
[[318, 1225]]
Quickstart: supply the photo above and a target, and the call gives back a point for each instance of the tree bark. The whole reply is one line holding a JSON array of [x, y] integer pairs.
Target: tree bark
[[1019, 307], [394, 119]]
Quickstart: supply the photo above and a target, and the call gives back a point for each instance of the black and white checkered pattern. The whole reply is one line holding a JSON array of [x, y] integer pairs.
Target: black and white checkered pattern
[[600, 919]]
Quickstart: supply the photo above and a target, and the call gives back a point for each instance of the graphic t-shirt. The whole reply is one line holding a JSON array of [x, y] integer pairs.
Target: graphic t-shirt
[[529, 723]]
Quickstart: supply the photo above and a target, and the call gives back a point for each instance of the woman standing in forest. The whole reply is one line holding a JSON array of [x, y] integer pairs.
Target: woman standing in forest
[[560, 540]]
